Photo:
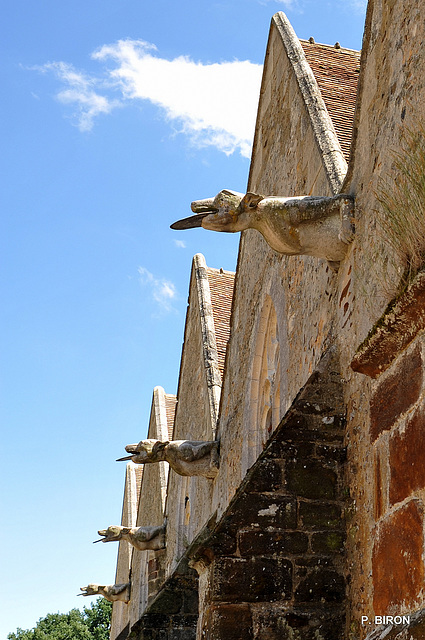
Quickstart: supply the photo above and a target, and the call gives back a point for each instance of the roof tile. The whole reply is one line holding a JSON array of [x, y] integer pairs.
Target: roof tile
[[221, 288], [170, 409], [336, 72]]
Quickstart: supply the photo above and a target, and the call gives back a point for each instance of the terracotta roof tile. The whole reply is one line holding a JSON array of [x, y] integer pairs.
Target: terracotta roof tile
[[170, 408], [221, 288], [336, 72]]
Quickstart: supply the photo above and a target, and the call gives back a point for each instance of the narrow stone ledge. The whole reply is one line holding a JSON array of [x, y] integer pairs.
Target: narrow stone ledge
[[393, 332]]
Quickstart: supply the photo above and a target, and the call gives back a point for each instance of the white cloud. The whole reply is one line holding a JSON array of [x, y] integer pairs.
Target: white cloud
[[180, 244], [80, 92], [214, 104], [163, 291]]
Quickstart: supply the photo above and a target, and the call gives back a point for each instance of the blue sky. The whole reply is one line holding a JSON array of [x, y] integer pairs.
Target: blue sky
[[114, 117]]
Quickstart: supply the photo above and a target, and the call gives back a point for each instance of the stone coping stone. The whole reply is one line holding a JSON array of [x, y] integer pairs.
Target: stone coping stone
[[403, 319]]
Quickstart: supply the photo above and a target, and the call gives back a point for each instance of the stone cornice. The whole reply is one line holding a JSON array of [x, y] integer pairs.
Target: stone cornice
[[394, 331]]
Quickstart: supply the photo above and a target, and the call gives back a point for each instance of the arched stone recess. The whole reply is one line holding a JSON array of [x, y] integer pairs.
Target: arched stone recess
[[264, 409]]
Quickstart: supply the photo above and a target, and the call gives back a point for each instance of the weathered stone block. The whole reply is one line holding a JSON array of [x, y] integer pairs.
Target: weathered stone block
[[266, 477], [327, 542], [407, 468], [396, 394], [181, 634], [251, 580], [321, 586], [183, 621], [283, 449], [155, 621], [190, 601], [321, 399], [397, 560], [265, 510], [230, 621], [315, 431], [264, 543], [319, 515], [280, 624], [169, 602], [222, 544], [332, 452], [397, 328], [317, 562], [310, 479]]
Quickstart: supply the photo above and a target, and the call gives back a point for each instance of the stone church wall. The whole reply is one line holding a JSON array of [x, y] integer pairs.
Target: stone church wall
[[385, 430], [189, 499], [287, 160]]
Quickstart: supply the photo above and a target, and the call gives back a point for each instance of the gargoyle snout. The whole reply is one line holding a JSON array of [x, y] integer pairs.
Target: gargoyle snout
[[205, 205], [104, 533], [130, 448]]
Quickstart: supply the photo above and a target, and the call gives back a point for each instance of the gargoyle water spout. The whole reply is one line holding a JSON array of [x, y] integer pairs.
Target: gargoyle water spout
[[142, 538], [304, 225], [112, 592], [186, 457]]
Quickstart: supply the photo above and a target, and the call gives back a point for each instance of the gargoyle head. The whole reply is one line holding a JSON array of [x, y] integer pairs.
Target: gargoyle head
[[112, 534], [228, 211], [145, 451]]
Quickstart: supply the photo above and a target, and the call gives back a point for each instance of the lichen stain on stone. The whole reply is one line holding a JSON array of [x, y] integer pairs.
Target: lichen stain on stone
[[271, 511]]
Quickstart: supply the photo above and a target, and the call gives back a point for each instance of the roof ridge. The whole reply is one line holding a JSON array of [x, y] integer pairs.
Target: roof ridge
[[221, 271], [340, 49]]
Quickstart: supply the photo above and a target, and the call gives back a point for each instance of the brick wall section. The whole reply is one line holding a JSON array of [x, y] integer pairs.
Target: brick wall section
[[156, 573], [275, 561]]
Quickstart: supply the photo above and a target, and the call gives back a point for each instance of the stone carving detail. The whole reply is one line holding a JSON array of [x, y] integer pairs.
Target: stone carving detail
[[268, 380], [303, 225], [142, 538], [112, 592], [186, 457]]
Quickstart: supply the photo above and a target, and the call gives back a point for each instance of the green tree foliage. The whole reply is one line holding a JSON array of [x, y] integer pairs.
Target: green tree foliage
[[93, 623]]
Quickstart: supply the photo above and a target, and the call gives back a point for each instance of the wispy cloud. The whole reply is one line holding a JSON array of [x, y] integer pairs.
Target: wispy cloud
[[163, 291], [82, 92], [301, 5], [213, 104], [180, 244]]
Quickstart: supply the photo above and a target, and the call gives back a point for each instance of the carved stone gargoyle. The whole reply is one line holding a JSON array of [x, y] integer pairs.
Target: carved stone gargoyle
[[142, 538], [186, 457], [112, 592], [303, 225]]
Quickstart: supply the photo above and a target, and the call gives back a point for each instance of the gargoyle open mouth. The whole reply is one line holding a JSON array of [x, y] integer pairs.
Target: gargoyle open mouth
[[192, 221], [132, 450], [202, 208], [106, 538]]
